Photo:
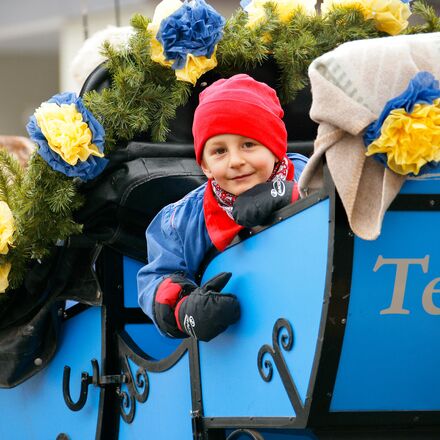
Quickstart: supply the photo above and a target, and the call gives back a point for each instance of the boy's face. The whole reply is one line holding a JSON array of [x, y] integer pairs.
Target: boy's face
[[237, 163]]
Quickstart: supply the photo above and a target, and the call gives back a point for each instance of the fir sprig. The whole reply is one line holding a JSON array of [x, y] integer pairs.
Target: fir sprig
[[427, 13], [11, 178], [240, 48]]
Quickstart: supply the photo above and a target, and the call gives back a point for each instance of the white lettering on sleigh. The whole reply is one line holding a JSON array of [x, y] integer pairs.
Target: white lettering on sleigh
[[402, 267]]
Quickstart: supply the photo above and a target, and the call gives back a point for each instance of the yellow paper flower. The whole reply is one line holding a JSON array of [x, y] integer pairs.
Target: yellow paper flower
[[195, 67], [410, 140], [163, 10], [390, 16], [7, 228], [66, 132], [5, 268], [284, 9]]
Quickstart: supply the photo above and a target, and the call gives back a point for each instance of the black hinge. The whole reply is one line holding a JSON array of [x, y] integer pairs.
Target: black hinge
[[86, 380]]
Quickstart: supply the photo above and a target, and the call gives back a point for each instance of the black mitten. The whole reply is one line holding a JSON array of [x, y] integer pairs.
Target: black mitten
[[254, 206], [205, 313]]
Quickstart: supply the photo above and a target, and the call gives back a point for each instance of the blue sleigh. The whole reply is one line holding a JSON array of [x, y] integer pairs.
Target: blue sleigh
[[337, 339]]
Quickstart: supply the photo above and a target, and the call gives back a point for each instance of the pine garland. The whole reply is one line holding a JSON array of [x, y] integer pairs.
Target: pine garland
[[144, 95], [42, 202]]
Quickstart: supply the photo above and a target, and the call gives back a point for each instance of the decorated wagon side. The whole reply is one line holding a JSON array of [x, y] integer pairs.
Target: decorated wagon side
[[338, 291]]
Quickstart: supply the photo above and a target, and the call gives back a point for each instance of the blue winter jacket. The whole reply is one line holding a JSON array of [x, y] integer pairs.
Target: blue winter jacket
[[178, 240]]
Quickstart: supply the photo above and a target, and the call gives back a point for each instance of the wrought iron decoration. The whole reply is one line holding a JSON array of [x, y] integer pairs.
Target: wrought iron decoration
[[282, 331]]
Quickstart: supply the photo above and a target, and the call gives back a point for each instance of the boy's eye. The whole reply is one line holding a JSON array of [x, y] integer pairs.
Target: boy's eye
[[248, 144], [220, 150]]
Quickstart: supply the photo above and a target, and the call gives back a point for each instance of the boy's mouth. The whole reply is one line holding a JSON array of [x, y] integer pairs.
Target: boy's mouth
[[242, 176]]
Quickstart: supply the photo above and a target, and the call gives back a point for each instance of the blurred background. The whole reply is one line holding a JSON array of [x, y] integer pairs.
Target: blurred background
[[40, 39], [39, 45]]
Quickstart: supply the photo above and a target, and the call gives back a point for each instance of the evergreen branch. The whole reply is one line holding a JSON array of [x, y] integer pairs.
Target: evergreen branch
[[427, 13], [11, 177], [293, 57], [241, 48], [140, 23]]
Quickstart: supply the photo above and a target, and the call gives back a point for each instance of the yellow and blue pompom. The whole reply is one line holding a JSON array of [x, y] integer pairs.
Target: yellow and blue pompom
[[390, 16], [69, 137], [5, 268], [7, 231], [187, 39], [406, 136], [285, 9], [7, 228]]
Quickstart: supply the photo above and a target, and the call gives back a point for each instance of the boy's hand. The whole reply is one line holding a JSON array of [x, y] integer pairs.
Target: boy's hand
[[254, 206], [206, 313], [182, 309]]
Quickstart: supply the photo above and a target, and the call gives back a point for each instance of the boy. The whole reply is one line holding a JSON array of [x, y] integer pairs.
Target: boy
[[240, 142]]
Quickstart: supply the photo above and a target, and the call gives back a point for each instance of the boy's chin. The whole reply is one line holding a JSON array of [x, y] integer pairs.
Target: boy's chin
[[237, 187], [240, 189]]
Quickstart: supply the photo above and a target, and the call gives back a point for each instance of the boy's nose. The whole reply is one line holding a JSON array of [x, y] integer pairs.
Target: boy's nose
[[235, 159]]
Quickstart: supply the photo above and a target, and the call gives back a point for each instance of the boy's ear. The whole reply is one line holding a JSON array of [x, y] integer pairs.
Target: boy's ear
[[206, 170]]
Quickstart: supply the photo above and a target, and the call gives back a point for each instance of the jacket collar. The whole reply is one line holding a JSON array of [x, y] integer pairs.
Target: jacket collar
[[221, 228]]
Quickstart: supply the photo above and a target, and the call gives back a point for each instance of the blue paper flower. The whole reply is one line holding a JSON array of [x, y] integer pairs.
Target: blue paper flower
[[422, 89], [76, 138], [194, 29]]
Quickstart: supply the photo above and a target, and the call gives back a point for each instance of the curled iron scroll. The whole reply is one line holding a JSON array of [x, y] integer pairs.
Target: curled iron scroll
[[138, 389], [282, 338]]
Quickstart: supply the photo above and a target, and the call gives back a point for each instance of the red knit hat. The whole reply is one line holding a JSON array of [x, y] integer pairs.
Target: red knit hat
[[240, 105]]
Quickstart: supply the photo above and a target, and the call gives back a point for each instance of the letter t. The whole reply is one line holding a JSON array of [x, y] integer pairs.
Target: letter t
[[396, 306]]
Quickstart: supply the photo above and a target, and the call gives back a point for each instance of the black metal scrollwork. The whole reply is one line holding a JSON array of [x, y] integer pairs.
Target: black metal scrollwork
[[138, 389], [86, 380], [282, 331], [138, 386], [126, 401]]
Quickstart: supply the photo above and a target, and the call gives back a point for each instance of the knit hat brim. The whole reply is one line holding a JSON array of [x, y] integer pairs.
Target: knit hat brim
[[228, 116], [241, 106]]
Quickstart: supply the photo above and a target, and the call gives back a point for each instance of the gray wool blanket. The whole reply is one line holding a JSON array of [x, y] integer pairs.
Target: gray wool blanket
[[350, 87]]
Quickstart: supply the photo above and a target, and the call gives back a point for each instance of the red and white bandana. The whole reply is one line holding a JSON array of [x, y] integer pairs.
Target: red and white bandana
[[218, 203]]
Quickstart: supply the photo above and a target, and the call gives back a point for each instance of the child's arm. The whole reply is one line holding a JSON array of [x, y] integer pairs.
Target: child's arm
[[165, 257], [176, 305]]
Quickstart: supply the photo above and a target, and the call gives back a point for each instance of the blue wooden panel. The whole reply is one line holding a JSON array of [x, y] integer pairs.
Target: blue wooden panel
[[278, 273], [131, 268], [390, 358], [166, 413], [422, 186], [36, 409], [151, 341]]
